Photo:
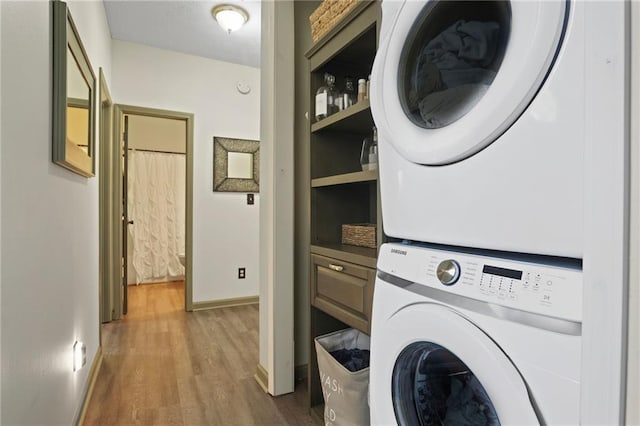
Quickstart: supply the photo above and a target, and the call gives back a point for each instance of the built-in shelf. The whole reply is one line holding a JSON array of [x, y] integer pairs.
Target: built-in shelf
[[339, 192], [345, 21], [363, 256], [352, 120], [355, 177]]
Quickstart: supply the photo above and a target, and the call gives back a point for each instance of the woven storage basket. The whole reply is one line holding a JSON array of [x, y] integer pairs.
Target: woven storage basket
[[327, 15], [359, 234]]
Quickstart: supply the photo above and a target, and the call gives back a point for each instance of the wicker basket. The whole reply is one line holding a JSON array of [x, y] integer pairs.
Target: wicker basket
[[327, 15], [359, 234]]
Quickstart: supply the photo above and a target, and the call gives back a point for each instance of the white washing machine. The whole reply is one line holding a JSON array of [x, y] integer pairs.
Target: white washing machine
[[464, 338], [480, 113]]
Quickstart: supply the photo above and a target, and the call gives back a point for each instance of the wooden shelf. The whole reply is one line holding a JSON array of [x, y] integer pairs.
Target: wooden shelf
[[355, 177], [353, 120], [349, 40], [363, 256]]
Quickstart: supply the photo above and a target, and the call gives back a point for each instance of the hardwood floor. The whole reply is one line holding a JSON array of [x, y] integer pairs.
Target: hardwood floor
[[164, 366]]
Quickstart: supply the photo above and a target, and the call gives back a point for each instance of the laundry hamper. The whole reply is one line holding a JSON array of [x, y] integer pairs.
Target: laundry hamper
[[346, 393]]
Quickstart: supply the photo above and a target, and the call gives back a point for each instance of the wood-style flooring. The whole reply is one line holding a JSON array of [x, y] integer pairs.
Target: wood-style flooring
[[164, 366]]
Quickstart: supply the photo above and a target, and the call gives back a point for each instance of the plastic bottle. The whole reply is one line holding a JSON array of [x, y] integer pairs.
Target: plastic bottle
[[362, 89]]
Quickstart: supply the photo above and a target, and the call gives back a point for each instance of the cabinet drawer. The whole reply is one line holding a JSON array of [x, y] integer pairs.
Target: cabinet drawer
[[343, 290]]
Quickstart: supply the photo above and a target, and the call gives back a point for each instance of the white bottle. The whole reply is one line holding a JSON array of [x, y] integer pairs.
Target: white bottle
[[362, 89]]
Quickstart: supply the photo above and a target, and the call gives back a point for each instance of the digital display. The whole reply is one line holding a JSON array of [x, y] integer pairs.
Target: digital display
[[502, 272]]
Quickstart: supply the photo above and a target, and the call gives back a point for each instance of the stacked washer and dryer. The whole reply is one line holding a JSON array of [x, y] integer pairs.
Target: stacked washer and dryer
[[477, 309]]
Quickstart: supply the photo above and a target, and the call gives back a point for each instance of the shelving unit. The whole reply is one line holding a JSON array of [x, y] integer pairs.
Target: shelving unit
[[342, 276], [354, 177], [350, 120]]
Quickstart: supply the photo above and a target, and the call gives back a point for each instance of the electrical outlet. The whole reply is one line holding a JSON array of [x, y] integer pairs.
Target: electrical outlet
[[241, 273]]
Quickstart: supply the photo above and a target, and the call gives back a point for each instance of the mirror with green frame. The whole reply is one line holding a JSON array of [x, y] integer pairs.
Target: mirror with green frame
[[73, 97]]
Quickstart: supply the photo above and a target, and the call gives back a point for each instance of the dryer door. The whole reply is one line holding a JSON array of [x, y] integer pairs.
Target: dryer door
[[433, 366], [451, 76]]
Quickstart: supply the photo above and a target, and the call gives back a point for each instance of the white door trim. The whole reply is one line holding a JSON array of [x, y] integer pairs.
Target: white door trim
[[276, 196]]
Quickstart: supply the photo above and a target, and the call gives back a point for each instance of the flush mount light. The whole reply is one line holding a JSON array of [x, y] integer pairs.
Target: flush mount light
[[230, 17]]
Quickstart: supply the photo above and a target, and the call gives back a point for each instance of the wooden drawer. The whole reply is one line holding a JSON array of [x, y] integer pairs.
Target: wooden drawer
[[343, 290]]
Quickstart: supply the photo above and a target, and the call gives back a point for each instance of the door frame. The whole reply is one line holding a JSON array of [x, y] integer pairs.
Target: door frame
[[107, 256], [116, 193]]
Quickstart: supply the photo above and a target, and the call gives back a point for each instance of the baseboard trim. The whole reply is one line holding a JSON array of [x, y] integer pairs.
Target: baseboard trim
[[300, 372], [225, 303], [262, 377], [93, 376]]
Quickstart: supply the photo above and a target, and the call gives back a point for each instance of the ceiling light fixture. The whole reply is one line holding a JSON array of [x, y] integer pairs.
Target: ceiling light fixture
[[229, 17]]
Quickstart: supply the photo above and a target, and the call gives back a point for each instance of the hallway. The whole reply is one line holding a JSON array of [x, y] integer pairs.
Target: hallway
[[164, 366]]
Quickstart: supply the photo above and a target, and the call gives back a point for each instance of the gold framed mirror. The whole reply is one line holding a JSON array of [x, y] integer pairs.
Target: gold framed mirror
[[236, 165], [74, 91]]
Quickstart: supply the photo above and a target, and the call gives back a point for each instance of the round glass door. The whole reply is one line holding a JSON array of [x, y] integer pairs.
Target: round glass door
[[432, 386], [451, 77], [432, 366], [451, 57]]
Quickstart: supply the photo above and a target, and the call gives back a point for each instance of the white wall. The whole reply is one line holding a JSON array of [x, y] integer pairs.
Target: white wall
[[49, 222], [276, 216], [225, 228]]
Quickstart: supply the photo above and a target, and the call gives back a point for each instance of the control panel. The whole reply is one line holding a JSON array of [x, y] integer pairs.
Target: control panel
[[547, 289]]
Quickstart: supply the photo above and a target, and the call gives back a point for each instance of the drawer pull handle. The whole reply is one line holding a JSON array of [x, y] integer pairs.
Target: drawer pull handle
[[337, 268]]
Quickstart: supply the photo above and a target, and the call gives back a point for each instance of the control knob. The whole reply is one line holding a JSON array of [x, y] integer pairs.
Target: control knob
[[448, 272]]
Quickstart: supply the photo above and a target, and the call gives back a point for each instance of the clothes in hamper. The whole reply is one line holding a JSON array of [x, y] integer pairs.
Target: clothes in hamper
[[352, 359]]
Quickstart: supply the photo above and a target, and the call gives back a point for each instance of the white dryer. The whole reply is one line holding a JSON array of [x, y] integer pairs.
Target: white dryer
[[464, 338], [480, 113]]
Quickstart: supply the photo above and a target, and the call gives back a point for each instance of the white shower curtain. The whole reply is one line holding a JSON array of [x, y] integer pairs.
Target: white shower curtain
[[156, 204]]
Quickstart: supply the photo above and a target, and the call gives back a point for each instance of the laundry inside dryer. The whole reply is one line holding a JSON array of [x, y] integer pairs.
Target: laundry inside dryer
[[451, 59], [431, 386]]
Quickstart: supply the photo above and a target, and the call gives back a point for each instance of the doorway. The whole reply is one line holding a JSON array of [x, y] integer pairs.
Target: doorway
[[143, 123], [155, 194]]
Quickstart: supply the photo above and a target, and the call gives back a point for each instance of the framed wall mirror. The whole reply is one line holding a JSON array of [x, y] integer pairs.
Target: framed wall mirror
[[74, 91], [236, 165]]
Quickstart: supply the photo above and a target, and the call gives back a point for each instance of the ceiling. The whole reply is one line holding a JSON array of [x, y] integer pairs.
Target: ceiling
[[188, 27]]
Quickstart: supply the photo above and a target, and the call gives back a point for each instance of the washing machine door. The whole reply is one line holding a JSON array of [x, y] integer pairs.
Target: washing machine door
[[433, 366], [450, 77]]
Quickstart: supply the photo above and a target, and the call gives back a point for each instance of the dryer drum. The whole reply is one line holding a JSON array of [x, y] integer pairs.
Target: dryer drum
[[432, 386], [451, 57]]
